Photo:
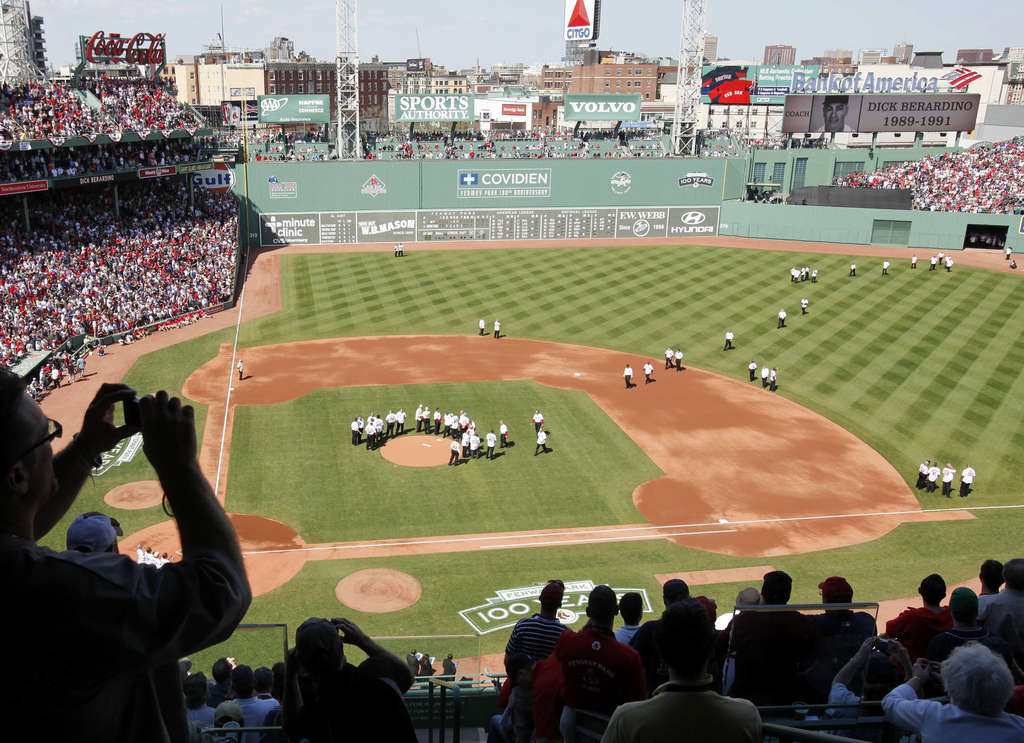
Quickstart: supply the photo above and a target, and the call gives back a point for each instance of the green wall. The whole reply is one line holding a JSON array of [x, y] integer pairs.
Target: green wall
[[932, 230], [821, 164]]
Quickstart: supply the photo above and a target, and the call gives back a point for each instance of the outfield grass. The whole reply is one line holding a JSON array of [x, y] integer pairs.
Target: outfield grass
[[918, 364], [295, 462]]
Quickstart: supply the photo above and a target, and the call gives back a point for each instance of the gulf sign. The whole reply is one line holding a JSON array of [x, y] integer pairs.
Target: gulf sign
[[580, 20], [219, 179]]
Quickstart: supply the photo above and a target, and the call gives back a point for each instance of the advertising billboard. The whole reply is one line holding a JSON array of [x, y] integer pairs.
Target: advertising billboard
[[417, 64], [294, 109], [412, 108], [744, 85], [231, 113], [597, 107], [581, 20], [951, 112]]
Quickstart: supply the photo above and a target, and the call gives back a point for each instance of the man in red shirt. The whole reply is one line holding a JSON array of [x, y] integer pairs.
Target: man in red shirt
[[600, 672], [915, 628]]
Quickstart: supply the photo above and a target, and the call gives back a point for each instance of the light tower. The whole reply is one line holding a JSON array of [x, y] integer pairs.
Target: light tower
[[16, 65], [347, 43], [688, 78]]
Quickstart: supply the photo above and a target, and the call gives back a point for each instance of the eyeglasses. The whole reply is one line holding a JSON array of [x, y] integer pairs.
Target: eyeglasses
[[53, 431]]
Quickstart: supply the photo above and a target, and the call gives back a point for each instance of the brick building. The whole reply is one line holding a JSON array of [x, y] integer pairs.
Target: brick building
[[302, 76], [634, 79]]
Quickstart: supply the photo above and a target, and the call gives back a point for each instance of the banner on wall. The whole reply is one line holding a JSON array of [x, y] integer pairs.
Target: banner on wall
[[597, 107], [839, 112], [294, 109], [410, 108]]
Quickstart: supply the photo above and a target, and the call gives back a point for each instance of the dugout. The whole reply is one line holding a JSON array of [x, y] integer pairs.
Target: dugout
[[985, 236]]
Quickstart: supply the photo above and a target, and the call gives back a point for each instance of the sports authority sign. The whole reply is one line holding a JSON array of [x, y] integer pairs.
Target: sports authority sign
[[412, 108], [141, 49], [294, 109], [594, 107], [504, 183], [581, 20], [509, 605]]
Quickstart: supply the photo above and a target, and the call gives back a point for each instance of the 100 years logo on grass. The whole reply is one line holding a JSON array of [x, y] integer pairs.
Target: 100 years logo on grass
[[509, 605]]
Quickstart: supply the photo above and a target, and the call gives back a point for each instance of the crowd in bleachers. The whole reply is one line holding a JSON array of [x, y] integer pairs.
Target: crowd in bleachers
[[26, 165], [532, 145], [985, 179], [965, 652], [47, 109], [82, 270]]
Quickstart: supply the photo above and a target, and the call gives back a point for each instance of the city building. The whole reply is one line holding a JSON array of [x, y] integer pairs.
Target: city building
[[1013, 54], [837, 54], [710, 48], [974, 56], [639, 79], [373, 96], [871, 56], [448, 83], [280, 49], [36, 40], [903, 52], [555, 78], [779, 54]]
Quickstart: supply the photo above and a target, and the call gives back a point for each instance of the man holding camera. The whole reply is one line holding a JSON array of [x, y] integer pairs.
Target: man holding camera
[[116, 628]]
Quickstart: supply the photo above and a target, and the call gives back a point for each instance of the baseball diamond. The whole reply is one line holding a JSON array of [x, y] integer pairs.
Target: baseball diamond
[[728, 475]]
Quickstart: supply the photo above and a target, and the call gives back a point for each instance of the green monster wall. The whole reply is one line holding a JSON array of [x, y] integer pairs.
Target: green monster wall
[[394, 201]]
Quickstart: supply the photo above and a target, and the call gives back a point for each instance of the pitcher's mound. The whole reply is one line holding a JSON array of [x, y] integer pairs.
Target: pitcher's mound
[[378, 590], [417, 451], [134, 496]]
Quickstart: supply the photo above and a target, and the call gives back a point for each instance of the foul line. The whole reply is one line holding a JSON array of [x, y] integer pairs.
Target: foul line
[[617, 529], [619, 539], [231, 376]]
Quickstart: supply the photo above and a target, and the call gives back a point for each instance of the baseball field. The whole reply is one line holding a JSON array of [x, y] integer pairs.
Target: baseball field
[[700, 473]]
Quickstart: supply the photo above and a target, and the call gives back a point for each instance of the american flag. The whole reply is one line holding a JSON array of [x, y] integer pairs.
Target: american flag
[[961, 77]]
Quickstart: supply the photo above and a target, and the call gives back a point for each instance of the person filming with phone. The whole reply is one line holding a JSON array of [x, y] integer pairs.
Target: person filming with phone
[[110, 629]]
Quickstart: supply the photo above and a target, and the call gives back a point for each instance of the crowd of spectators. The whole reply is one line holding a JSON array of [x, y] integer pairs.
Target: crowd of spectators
[[38, 110], [83, 270], [518, 145], [140, 104], [986, 179], [26, 165]]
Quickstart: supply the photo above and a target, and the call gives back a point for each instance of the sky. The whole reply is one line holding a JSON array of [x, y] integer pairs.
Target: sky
[[457, 33]]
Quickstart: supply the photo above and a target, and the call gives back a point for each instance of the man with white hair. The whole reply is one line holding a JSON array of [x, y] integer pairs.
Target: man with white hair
[[978, 684]]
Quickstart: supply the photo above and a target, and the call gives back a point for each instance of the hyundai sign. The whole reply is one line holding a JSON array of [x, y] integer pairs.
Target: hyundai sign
[[582, 20]]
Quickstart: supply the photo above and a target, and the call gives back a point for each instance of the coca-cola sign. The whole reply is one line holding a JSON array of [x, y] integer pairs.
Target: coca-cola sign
[[141, 49]]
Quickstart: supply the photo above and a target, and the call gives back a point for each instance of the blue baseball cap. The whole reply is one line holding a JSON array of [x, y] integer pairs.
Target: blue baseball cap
[[93, 532]]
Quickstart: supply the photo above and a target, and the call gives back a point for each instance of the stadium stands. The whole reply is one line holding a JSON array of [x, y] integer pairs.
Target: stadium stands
[[986, 179], [83, 270], [62, 162], [869, 668], [39, 110]]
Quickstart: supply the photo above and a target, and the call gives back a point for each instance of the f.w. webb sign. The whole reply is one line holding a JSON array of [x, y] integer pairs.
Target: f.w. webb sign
[[591, 107]]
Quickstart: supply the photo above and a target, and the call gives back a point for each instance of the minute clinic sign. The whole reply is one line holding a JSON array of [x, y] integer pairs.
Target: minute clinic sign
[[141, 48]]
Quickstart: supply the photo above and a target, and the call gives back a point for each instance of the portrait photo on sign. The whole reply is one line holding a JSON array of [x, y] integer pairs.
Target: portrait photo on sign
[[835, 113]]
